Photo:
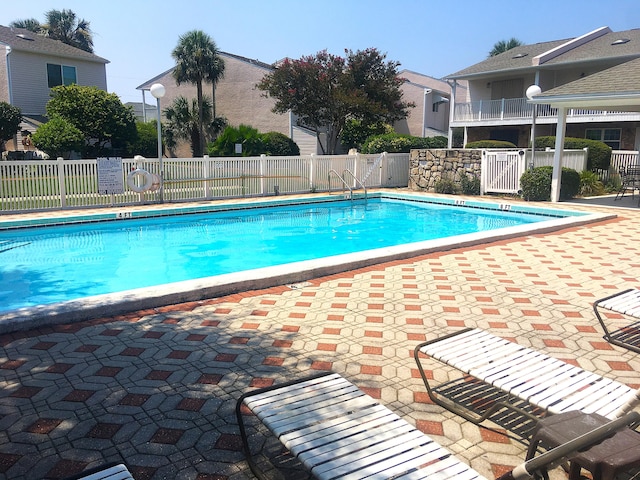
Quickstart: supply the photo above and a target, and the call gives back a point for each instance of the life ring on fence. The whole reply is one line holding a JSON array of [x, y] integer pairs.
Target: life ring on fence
[[148, 180]]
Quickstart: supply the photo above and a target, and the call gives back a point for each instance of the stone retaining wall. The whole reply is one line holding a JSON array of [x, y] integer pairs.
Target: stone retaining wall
[[427, 167]]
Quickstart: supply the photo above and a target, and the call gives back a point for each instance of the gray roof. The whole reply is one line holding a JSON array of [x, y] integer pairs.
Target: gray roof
[[146, 85], [20, 39], [521, 59], [617, 88]]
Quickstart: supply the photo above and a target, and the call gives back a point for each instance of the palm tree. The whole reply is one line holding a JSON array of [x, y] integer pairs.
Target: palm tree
[[504, 45], [64, 26], [30, 24], [214, 75], [183, 123], [197, 61]]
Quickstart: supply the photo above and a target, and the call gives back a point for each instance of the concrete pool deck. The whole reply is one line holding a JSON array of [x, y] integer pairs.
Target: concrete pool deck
[[156, 388]]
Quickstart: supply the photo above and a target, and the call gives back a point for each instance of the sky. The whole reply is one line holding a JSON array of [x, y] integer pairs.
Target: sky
[[425, 36]]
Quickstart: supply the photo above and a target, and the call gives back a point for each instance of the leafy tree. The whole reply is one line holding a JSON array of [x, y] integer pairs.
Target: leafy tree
[[248, 137], [197, 61], [326, 91], [183, 124], [102, 118], [146, 143], [61, 25], [504, 45], [58, 138], [355, 133], [10, 118]]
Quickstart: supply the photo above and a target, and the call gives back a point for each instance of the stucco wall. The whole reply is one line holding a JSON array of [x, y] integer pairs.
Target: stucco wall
[[427, 167]]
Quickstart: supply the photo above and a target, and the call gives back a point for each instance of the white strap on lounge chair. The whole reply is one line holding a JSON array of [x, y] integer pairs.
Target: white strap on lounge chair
[[116, 472], [336, 430], [532, 376]]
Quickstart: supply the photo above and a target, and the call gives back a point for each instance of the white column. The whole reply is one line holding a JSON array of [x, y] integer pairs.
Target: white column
[[557, 157]]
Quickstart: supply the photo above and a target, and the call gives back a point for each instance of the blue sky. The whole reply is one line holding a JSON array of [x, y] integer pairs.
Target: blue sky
[[137, 36]]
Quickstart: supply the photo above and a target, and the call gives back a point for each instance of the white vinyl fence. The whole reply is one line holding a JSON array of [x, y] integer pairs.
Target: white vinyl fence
[[55, 184], [501, 169]]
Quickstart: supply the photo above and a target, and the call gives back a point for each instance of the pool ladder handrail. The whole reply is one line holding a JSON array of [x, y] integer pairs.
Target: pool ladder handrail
[[344, 182]]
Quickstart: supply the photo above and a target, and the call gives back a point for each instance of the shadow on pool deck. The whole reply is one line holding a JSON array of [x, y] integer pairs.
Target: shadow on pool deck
[[157, 388]]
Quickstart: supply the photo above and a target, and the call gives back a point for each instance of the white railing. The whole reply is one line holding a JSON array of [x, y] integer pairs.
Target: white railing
[[54, 184], [624, 158], [520, 109]]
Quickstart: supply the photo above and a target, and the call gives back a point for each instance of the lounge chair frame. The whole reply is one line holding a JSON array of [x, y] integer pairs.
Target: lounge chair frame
[[525, 381], [626, 302]]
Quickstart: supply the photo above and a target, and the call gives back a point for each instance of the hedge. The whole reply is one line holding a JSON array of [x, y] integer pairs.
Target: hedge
[[599, 156]]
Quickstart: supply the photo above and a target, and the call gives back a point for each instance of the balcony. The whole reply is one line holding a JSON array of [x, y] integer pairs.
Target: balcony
[[516, 111]]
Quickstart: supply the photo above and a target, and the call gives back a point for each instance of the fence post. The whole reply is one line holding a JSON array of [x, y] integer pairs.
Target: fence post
[[63, 196], [483, 172], [262, 159], [311, 170], [206, 172]]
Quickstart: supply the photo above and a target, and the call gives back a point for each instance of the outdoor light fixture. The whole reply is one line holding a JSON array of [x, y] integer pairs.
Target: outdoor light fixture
[[158, 91], [531, 92]]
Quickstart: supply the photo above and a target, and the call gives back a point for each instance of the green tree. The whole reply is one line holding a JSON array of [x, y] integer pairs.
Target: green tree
[[58, 138], [326, 91], [146, 143], [504, 45], [354, 133], [31, 24], [10, 118], [197, 61], [248, 137], [64, 25], [105, 122], [183, 123]]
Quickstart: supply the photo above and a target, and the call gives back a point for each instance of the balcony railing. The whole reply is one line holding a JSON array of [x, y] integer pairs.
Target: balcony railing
[[511, 110]]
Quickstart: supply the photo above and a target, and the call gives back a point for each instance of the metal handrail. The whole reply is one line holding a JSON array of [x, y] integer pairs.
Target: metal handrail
[[344, 182], [355, 180]]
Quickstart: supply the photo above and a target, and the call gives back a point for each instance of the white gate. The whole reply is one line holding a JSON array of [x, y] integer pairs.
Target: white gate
[[501, 171]]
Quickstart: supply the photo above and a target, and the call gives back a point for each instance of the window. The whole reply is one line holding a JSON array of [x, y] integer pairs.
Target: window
[[60, 75], [610, 136]]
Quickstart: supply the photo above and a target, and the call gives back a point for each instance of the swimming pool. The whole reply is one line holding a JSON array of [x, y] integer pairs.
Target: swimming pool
[[160, 258]]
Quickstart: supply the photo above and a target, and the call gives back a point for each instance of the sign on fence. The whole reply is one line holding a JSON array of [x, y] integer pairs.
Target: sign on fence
[[110, 176]]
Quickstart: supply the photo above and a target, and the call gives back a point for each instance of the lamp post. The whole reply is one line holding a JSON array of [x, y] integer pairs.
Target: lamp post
[[158, 91], [531, 92]]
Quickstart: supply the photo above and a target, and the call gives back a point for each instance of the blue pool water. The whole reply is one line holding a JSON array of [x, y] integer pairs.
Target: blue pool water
[[40, 266]]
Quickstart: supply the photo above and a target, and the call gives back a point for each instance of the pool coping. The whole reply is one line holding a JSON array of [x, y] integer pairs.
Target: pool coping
[[289, 274]]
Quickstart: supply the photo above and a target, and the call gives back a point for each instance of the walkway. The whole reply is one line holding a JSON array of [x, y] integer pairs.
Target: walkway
[[156, 389]]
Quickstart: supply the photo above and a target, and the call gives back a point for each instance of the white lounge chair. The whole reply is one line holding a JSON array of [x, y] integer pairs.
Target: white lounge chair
[[508, 375], [338, 432]]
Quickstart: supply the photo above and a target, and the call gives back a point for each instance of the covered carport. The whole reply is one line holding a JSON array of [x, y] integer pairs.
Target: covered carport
[[614, 89]]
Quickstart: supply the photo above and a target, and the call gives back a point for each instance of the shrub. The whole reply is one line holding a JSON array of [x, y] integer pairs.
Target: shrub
[[536, 184], [599, 156], [278, 144], [470, 186], [590, 184], [398, 143], [490, 144], [225, 144], [445, 185]]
